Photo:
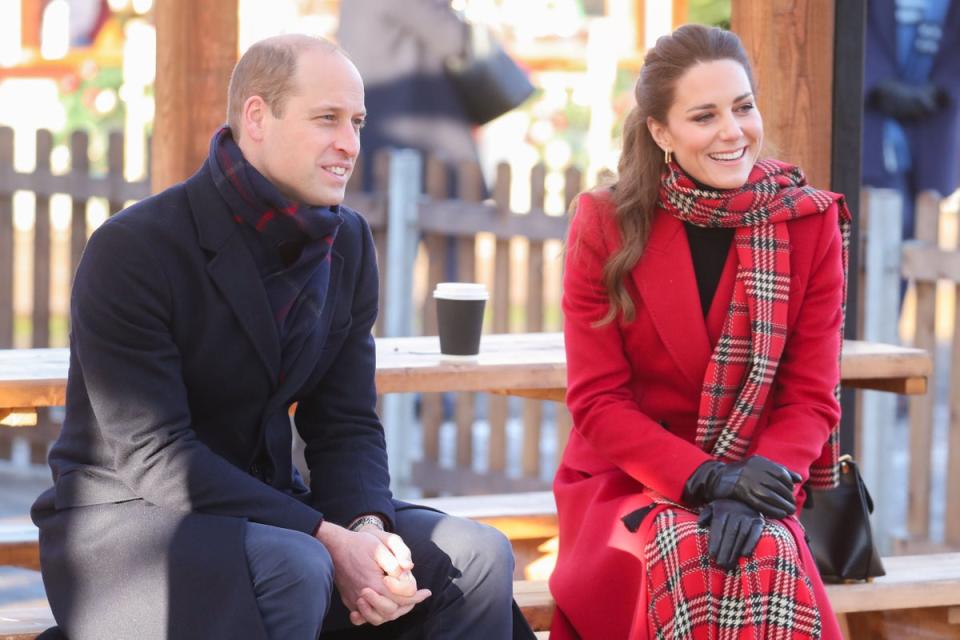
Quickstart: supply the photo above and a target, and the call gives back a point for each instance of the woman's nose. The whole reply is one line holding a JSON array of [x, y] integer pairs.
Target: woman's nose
[[730, 129]]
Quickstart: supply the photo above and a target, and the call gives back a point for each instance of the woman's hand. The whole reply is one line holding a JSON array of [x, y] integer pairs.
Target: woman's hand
[[757, 482], [735, 530]]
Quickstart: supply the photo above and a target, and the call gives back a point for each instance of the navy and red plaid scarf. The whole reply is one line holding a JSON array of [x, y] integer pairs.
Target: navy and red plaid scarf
[[744, 362], [300, 236], [259, 204]]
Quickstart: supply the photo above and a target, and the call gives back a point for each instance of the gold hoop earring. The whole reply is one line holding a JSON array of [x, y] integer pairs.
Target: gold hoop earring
[[667, 156]]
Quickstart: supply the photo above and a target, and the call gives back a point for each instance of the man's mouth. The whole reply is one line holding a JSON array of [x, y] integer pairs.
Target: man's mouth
[[337, 171]]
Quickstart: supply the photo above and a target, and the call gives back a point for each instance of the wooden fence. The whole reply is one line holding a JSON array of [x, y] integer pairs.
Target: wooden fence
[[926, 264], [452, 231], [82, 186]]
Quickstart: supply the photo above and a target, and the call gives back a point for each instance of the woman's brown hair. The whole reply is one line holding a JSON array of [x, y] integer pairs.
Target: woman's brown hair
[[641, 160]]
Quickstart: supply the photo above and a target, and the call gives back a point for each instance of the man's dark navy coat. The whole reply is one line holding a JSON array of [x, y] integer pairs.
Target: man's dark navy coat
[[935, 140], [176, 429]]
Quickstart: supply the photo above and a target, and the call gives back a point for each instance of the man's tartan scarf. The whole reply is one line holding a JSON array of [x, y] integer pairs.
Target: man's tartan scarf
[[299, 237], [744, 362]]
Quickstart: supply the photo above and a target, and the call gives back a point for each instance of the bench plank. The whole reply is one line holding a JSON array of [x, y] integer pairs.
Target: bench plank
[[520, 516], [24, 623], [912, 582], [19, 544]]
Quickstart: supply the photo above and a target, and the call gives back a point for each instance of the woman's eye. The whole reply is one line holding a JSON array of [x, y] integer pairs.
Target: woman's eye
[[703, 117], [745, 108]]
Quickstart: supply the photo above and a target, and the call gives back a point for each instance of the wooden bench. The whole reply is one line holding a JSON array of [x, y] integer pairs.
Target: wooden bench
[[24, 623], [921, 591], [527, 519], [924, 590], [19, 544]]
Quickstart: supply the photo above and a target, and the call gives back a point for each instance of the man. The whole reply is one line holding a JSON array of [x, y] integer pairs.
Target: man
[[401, 49], [199, 315], [911, 118]]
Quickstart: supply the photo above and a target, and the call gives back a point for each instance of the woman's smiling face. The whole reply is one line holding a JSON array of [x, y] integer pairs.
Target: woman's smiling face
[[713, 127]]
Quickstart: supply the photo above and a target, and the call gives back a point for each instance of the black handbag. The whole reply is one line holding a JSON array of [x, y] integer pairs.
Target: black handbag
[[487, 80], [837, 525]]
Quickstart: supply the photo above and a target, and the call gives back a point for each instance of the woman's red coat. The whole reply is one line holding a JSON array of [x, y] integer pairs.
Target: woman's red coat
[[634, 390]]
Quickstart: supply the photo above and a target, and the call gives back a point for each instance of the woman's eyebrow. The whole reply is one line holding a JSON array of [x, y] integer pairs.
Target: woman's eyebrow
[[711, 105]]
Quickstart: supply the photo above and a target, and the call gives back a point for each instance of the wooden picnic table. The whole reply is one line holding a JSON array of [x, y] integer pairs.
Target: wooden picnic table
[[531, 365]]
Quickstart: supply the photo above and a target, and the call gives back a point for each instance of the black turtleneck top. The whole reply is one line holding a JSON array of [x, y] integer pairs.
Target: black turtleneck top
[[708, 248]]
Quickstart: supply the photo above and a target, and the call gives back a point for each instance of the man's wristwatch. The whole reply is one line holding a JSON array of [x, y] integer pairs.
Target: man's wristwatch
[[363, 521]]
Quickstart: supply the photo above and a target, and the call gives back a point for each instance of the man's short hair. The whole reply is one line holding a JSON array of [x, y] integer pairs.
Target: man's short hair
[[268, 69]]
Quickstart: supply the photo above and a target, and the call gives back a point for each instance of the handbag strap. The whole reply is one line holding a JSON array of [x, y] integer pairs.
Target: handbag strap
[[855, 469]]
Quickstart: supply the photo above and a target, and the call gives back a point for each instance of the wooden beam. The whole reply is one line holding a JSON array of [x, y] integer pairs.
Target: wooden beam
[[790, 43], [680, 13], [196, 51], [640, 27], [31, 23]]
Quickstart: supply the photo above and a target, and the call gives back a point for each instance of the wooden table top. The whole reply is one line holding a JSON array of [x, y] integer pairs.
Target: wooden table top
[[531, 365]]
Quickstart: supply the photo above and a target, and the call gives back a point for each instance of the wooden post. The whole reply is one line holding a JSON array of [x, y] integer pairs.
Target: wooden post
[[31, 22], [921, 407], [7, 234], [500, 297], [790, 44], [881, 226], [533, 409], [40, 336], [196, 51], [640, 25], [470, 188]]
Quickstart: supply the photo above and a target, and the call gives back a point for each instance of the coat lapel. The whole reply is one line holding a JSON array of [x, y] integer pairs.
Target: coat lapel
[[232, 268], [666, 282]]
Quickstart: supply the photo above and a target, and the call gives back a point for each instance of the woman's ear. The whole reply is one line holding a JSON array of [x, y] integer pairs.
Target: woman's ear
[[659, 133]]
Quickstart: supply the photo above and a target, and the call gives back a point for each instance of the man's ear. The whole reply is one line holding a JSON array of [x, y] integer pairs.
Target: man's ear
[[659, 133], [252, 117]]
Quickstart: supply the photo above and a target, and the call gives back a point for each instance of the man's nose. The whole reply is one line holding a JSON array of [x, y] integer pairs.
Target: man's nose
[[348, 140]]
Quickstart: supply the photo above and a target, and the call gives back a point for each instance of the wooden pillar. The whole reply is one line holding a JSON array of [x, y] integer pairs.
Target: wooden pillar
[[640, 26], [791, 43], [196, 51], [31, 22], [681, 13]]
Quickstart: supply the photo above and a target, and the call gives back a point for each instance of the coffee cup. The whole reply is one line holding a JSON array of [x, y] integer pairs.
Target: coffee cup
[[460, 307]]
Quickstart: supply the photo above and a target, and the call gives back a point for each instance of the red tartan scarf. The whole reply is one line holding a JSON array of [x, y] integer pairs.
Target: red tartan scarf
[[744, 362]]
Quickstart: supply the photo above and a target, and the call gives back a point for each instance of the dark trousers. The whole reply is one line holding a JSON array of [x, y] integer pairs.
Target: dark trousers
[[467, 566]]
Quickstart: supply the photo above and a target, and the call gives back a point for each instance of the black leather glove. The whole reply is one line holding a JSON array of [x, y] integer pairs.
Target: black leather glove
[[907, 102], [757, 482], [735, 530]]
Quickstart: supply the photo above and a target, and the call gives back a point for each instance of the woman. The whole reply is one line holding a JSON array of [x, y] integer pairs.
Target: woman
[[703, 303]]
